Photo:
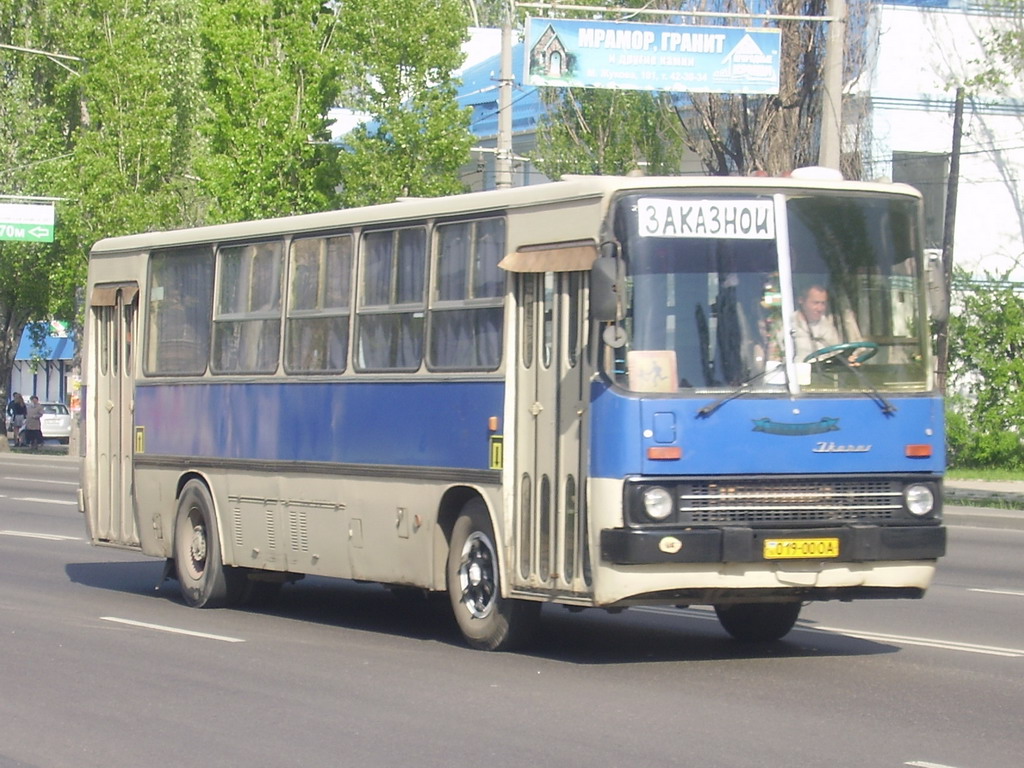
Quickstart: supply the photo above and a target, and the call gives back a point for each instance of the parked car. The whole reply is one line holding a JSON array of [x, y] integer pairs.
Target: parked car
[[56, 422]]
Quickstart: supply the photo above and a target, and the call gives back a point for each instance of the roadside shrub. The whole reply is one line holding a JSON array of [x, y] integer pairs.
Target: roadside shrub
[[985, 405]]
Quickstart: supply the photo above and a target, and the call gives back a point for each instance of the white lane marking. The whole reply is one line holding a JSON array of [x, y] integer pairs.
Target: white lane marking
[[173, 630], [48, 482], [46, 536], [1010, 592], [925, 764], [946, 645], [692, 613]]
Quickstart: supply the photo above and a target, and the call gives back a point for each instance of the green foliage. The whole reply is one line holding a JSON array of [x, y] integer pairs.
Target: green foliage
[[269, 76], [34, 149], [986, 359], [1003, 63], [487, 13], [398, 72], [608, 132], [185, 113], [131, 117]]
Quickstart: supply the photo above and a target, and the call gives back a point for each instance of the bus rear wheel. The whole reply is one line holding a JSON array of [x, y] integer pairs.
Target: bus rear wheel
[[488, 621], [758, 622], [204, 580]]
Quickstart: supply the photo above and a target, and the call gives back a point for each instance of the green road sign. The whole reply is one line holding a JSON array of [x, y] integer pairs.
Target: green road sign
[[26, 222]]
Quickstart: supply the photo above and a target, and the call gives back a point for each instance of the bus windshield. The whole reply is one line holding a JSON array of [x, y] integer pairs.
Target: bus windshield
[[811, 292]]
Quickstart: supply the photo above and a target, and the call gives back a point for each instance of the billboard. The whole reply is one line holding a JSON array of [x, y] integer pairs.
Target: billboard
[[651, 57]]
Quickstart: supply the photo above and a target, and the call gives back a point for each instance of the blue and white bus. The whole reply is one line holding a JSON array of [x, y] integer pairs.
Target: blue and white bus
[[589, 392]]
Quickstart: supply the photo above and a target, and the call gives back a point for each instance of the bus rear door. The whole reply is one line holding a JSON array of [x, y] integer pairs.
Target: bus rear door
[[111, 439]]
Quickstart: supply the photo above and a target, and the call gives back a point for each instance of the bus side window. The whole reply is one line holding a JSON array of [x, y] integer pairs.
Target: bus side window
[[180, 310], [391, 310], [467, 314], [247, 326], [316, 333]]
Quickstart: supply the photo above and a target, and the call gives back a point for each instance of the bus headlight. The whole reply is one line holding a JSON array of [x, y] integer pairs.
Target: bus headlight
[[658, 503], [920, 499]]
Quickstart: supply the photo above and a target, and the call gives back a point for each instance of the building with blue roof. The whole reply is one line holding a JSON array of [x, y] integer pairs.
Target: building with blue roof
[[45, 369]]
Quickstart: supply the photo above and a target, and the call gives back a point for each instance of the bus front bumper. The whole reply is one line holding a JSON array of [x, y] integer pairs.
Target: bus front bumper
[[735, 544]]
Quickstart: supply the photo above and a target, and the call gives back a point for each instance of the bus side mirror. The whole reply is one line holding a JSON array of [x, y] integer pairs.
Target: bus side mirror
[[607, 285], [938, 291]]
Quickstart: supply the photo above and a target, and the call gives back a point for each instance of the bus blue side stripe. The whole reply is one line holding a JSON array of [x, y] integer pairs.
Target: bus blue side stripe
[[413, 424]]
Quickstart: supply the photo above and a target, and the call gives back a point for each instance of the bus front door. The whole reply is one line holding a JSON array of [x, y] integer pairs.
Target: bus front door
[[550, 468], [108, 482]]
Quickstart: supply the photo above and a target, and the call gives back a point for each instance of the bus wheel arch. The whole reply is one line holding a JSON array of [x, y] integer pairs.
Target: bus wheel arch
[[488, 620], [452, 503], [204, 580]]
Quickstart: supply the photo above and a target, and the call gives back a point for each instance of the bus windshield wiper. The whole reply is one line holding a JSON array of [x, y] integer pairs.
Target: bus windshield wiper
[[886, 407], [868, 389], [741, 390]]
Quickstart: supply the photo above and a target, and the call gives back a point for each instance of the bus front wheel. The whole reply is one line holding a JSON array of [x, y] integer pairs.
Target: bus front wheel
[[758, 622], [205, 581], [488, 621]]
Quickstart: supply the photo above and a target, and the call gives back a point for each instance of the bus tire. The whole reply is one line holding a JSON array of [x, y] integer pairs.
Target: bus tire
[[204, 580], [488, 621], [758, 622]]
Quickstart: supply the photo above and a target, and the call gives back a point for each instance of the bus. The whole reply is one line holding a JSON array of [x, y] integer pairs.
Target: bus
[[587, 392]]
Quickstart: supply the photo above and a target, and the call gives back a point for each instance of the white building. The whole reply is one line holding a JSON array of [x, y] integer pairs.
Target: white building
[[923, 54]]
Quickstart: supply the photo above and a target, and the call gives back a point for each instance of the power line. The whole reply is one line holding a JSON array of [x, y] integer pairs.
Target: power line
[[56, 58]]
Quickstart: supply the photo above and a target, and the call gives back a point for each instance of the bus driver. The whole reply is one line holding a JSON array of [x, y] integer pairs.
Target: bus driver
[[814, 327]]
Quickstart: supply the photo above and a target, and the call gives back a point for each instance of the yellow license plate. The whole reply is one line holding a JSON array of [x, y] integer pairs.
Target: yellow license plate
[[794, 549]]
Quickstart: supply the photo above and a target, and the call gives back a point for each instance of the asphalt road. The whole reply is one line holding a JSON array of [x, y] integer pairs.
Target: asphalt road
[[99, 668]]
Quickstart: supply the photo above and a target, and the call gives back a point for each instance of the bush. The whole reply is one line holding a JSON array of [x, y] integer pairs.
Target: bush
[[985, 406]]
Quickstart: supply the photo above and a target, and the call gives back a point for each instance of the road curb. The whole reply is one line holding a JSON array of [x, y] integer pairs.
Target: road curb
[[976, 517]]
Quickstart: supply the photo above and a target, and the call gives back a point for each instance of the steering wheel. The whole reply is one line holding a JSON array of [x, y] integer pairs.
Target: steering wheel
[[825, 353]]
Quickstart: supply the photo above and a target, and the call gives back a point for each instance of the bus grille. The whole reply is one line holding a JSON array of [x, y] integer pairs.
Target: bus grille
[[810, 500]]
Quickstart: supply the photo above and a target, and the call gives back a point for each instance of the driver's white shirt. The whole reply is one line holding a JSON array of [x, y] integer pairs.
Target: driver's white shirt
[[810, 337]]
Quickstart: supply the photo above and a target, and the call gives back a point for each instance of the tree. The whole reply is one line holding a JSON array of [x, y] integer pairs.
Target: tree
[[112, 135], [181, 114], [488, 13], [34, 140], [986, 408], [398, 71], [741, 134], [606, 131], [269, 76], [132, 117], [1004, 47]]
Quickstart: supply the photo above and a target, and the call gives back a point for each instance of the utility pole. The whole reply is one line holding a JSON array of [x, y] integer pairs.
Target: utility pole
[[948, 227], [830, 143], [503, 148]]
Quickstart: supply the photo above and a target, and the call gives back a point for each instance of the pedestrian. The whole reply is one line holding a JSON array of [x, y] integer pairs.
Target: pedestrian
[[16, 416], [33, 431]]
